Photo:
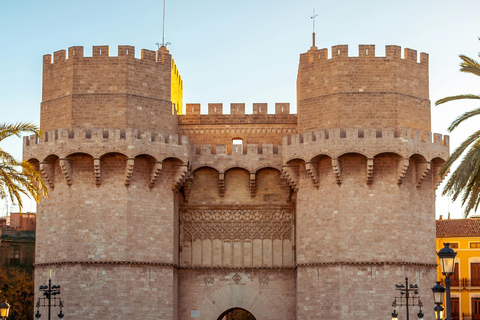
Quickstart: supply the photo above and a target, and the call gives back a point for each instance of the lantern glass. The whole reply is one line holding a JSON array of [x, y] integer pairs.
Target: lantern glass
[[438, 292], [447, 259], [439, 314], [4, 309]]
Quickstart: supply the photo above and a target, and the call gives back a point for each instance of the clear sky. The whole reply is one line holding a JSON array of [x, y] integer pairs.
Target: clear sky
[[238, 51]]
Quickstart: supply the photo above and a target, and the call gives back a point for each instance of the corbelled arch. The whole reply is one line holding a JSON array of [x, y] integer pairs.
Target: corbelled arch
[[239, 296]]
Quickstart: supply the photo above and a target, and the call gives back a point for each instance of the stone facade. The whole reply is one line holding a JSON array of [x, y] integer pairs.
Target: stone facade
[[164, 216]]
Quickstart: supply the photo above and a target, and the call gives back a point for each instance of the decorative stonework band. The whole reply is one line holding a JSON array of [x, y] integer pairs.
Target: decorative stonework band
[[317, 264], [107, 262], [234, 223], [398, 263]]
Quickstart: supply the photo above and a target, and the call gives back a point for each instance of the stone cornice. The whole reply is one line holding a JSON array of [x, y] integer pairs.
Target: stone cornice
[[337, 263]]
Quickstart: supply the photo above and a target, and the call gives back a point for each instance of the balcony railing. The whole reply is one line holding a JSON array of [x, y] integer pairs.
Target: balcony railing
[[457, 283]]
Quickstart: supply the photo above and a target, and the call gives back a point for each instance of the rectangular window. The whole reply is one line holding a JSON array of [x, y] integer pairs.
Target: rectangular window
[[475, 273], [474, 245], [454, 245], [455, 278], [14, 255], [475, 308], [455, 309]]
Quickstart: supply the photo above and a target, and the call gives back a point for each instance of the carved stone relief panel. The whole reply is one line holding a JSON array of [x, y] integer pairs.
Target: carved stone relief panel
[[237, 236]]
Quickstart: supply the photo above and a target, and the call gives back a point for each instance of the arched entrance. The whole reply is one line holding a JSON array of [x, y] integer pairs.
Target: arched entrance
[[236, 314]]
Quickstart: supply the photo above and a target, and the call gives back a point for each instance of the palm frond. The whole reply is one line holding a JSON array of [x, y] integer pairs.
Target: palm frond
[[459, 151], [8, 130], [458, 97], [463, 117], [18, 178], [465, 180], [469, 65]]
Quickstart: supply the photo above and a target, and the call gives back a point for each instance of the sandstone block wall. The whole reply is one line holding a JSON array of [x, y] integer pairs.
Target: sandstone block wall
[[267, 294], [346, 291], [90, 291], [217, 128]]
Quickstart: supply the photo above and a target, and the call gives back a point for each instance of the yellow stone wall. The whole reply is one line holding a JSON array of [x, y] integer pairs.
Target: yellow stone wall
[[176, 89], [464, 290]]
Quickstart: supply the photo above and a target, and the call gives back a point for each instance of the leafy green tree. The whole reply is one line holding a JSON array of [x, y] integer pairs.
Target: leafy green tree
[[465, 180], [16, 287], [19, 177]]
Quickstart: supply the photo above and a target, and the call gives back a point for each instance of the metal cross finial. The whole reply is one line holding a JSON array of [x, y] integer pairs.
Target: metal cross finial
[[313, 18], [163, 30]]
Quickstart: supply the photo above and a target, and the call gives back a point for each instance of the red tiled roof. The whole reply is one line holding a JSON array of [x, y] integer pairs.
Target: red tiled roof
[[458, 227]]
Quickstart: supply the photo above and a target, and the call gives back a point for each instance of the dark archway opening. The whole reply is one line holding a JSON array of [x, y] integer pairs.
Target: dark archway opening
[[236, 314]]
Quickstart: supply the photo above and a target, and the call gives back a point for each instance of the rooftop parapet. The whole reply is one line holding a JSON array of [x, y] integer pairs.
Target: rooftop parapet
[[77, 52], [251, 149], [96, 142], [368, 141], [237, 115], [367, 52], [237, 109], [253, 159]]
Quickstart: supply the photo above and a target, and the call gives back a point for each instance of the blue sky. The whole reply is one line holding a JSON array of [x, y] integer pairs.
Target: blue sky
[[237, 51]]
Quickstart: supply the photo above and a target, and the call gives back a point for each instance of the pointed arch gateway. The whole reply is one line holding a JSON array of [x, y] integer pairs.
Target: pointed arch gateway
[[236, 313], [235, 297]]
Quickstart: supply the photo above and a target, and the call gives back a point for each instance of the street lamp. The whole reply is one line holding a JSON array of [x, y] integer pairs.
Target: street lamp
[[438, 292], [49, 301], [410, 294], [4, 310], [446, 256]]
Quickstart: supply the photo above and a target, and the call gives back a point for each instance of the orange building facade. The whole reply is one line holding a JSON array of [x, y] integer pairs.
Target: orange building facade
[[464, 238]]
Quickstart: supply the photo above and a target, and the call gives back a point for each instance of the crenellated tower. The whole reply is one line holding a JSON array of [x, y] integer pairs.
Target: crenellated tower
[[157, 211], [113, 162], [102, 91], [365, 169]]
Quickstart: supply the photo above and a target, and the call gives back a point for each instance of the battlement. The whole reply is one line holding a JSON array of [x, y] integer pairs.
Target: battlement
[[367, 52], [237, 114], [251, 149], [368, 133], [368, 141], [250, 157], [97, 142], [103, 52], [64, 134], [237, 108]]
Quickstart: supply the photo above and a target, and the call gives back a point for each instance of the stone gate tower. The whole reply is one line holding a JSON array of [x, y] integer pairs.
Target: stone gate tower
[[155, 215]]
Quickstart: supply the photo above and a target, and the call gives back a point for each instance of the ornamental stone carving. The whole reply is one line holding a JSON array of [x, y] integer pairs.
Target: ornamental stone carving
[[273, 223]]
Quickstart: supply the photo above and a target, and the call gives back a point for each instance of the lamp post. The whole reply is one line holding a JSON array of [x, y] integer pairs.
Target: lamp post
[[4, 310], [446, 256], [409, 293], [49, 301], [438, 292]]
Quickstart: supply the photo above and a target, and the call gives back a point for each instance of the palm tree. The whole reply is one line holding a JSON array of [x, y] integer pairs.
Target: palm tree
[[465, 180], [19, 177]]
